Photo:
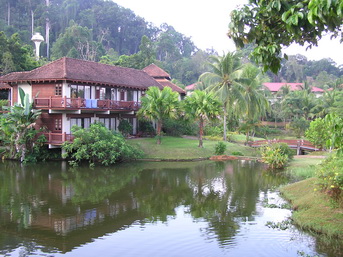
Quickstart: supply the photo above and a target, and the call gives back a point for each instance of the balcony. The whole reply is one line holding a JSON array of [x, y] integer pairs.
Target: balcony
[[57, 138], [64, 103]]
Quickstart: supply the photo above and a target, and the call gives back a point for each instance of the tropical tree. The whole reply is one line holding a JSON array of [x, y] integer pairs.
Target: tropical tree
[[223, 81], [255, 102], [202, 106], [275, 23], [158, 105], [18, 126]]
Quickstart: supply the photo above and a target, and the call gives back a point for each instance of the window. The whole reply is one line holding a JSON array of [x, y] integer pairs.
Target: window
[[58, 89], [106, 122], [80, 91], [81, 122], [58, 124], [130, 95], [122, 95]]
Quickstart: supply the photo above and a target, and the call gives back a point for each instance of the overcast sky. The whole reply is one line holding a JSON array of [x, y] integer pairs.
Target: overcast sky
[[206, 22]]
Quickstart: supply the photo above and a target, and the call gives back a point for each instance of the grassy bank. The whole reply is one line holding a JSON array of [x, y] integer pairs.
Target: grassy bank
[[313, 210], [185, 148], [303, 166]]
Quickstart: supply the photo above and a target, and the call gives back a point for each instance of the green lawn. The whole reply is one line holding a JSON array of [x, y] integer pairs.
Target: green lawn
[[314, 210], [303, 166], [184, 148]]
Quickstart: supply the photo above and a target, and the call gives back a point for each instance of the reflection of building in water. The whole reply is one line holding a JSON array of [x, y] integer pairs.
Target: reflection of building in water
[[53, 220]]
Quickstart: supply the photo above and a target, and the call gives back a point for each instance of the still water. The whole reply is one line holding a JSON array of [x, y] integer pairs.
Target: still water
[[148, 209]]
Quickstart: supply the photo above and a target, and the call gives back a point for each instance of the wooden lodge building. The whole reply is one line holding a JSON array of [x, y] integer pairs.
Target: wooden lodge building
[[77, 92]]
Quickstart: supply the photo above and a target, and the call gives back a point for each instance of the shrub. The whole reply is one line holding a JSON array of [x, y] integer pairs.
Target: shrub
[[146, 128], [330, 174], [299, 126], [98, 145], [220, 148], [276, 155], [214, 138], [237, 153], [213, 131], [179, 127], [125, 127], [3, 103]]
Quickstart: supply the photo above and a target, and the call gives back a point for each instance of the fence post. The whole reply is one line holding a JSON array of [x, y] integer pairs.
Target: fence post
[[298, 148]]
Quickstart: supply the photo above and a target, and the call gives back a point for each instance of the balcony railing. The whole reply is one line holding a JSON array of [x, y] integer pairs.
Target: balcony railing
[[81, 103], [57, 138]]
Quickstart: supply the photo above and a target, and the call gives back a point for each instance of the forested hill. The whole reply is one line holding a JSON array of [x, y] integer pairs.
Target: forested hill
[[104, 22], [95, 30], [101, 30]]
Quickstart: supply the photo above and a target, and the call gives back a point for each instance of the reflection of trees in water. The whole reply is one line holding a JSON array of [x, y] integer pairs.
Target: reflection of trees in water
[[219, 192], [224, 194]]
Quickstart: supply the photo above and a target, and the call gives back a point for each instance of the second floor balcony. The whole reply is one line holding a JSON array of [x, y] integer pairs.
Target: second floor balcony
[[64, 103]]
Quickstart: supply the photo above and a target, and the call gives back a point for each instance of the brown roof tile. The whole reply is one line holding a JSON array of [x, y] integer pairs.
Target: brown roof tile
[[81, 71], [168, 83], [154, 71], [4, 86]]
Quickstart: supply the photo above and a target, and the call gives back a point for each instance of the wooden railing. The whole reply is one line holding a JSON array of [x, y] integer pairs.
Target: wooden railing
[[81, 103], [57, 138], [295, 144]]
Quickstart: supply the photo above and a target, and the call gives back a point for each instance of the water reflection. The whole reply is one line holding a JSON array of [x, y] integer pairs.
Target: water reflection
[[57, 209]]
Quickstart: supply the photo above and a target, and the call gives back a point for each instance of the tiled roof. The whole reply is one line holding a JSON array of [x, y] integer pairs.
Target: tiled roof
[[275, 87], [168, 83], [4, 86], [154, 71], [80, 71], [191, 87]]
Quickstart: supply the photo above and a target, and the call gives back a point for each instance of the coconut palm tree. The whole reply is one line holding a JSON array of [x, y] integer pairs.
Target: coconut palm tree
[[202, 106], [157, 105], [223, 81], [255, 104]]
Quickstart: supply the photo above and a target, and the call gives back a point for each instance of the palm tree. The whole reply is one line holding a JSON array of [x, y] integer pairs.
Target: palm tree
[[255, 103], [157, 105], [202, 106], [223, 81], [17, 125]]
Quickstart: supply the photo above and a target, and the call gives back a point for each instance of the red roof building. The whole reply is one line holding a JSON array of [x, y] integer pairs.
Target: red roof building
[[275, 87], [163, 78], [77, 92]]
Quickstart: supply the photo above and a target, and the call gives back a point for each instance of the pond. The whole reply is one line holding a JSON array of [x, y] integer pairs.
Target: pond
[[149, 209]]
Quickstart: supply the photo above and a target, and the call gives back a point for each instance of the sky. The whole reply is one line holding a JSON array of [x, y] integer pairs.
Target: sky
[[206, 22]]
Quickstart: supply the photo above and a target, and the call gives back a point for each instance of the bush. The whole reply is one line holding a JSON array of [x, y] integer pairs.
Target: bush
[[214, 138], [299, 126], [98, 145], [220, 148], [179, 127], [330, 174], [276, 155], [125, 127], [237, 153], [213, 131], [146, 128]]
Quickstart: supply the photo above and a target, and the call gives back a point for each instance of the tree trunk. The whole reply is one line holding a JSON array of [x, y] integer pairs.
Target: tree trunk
[[224, 125], [8, 13], [47, 32], [159, 128], [201, 132]]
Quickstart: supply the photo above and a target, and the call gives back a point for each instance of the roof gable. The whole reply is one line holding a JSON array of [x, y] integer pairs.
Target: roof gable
[[168, 83], [156, 72]]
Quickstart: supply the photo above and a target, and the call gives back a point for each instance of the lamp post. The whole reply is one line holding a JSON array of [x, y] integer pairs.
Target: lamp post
[[37, 38]]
